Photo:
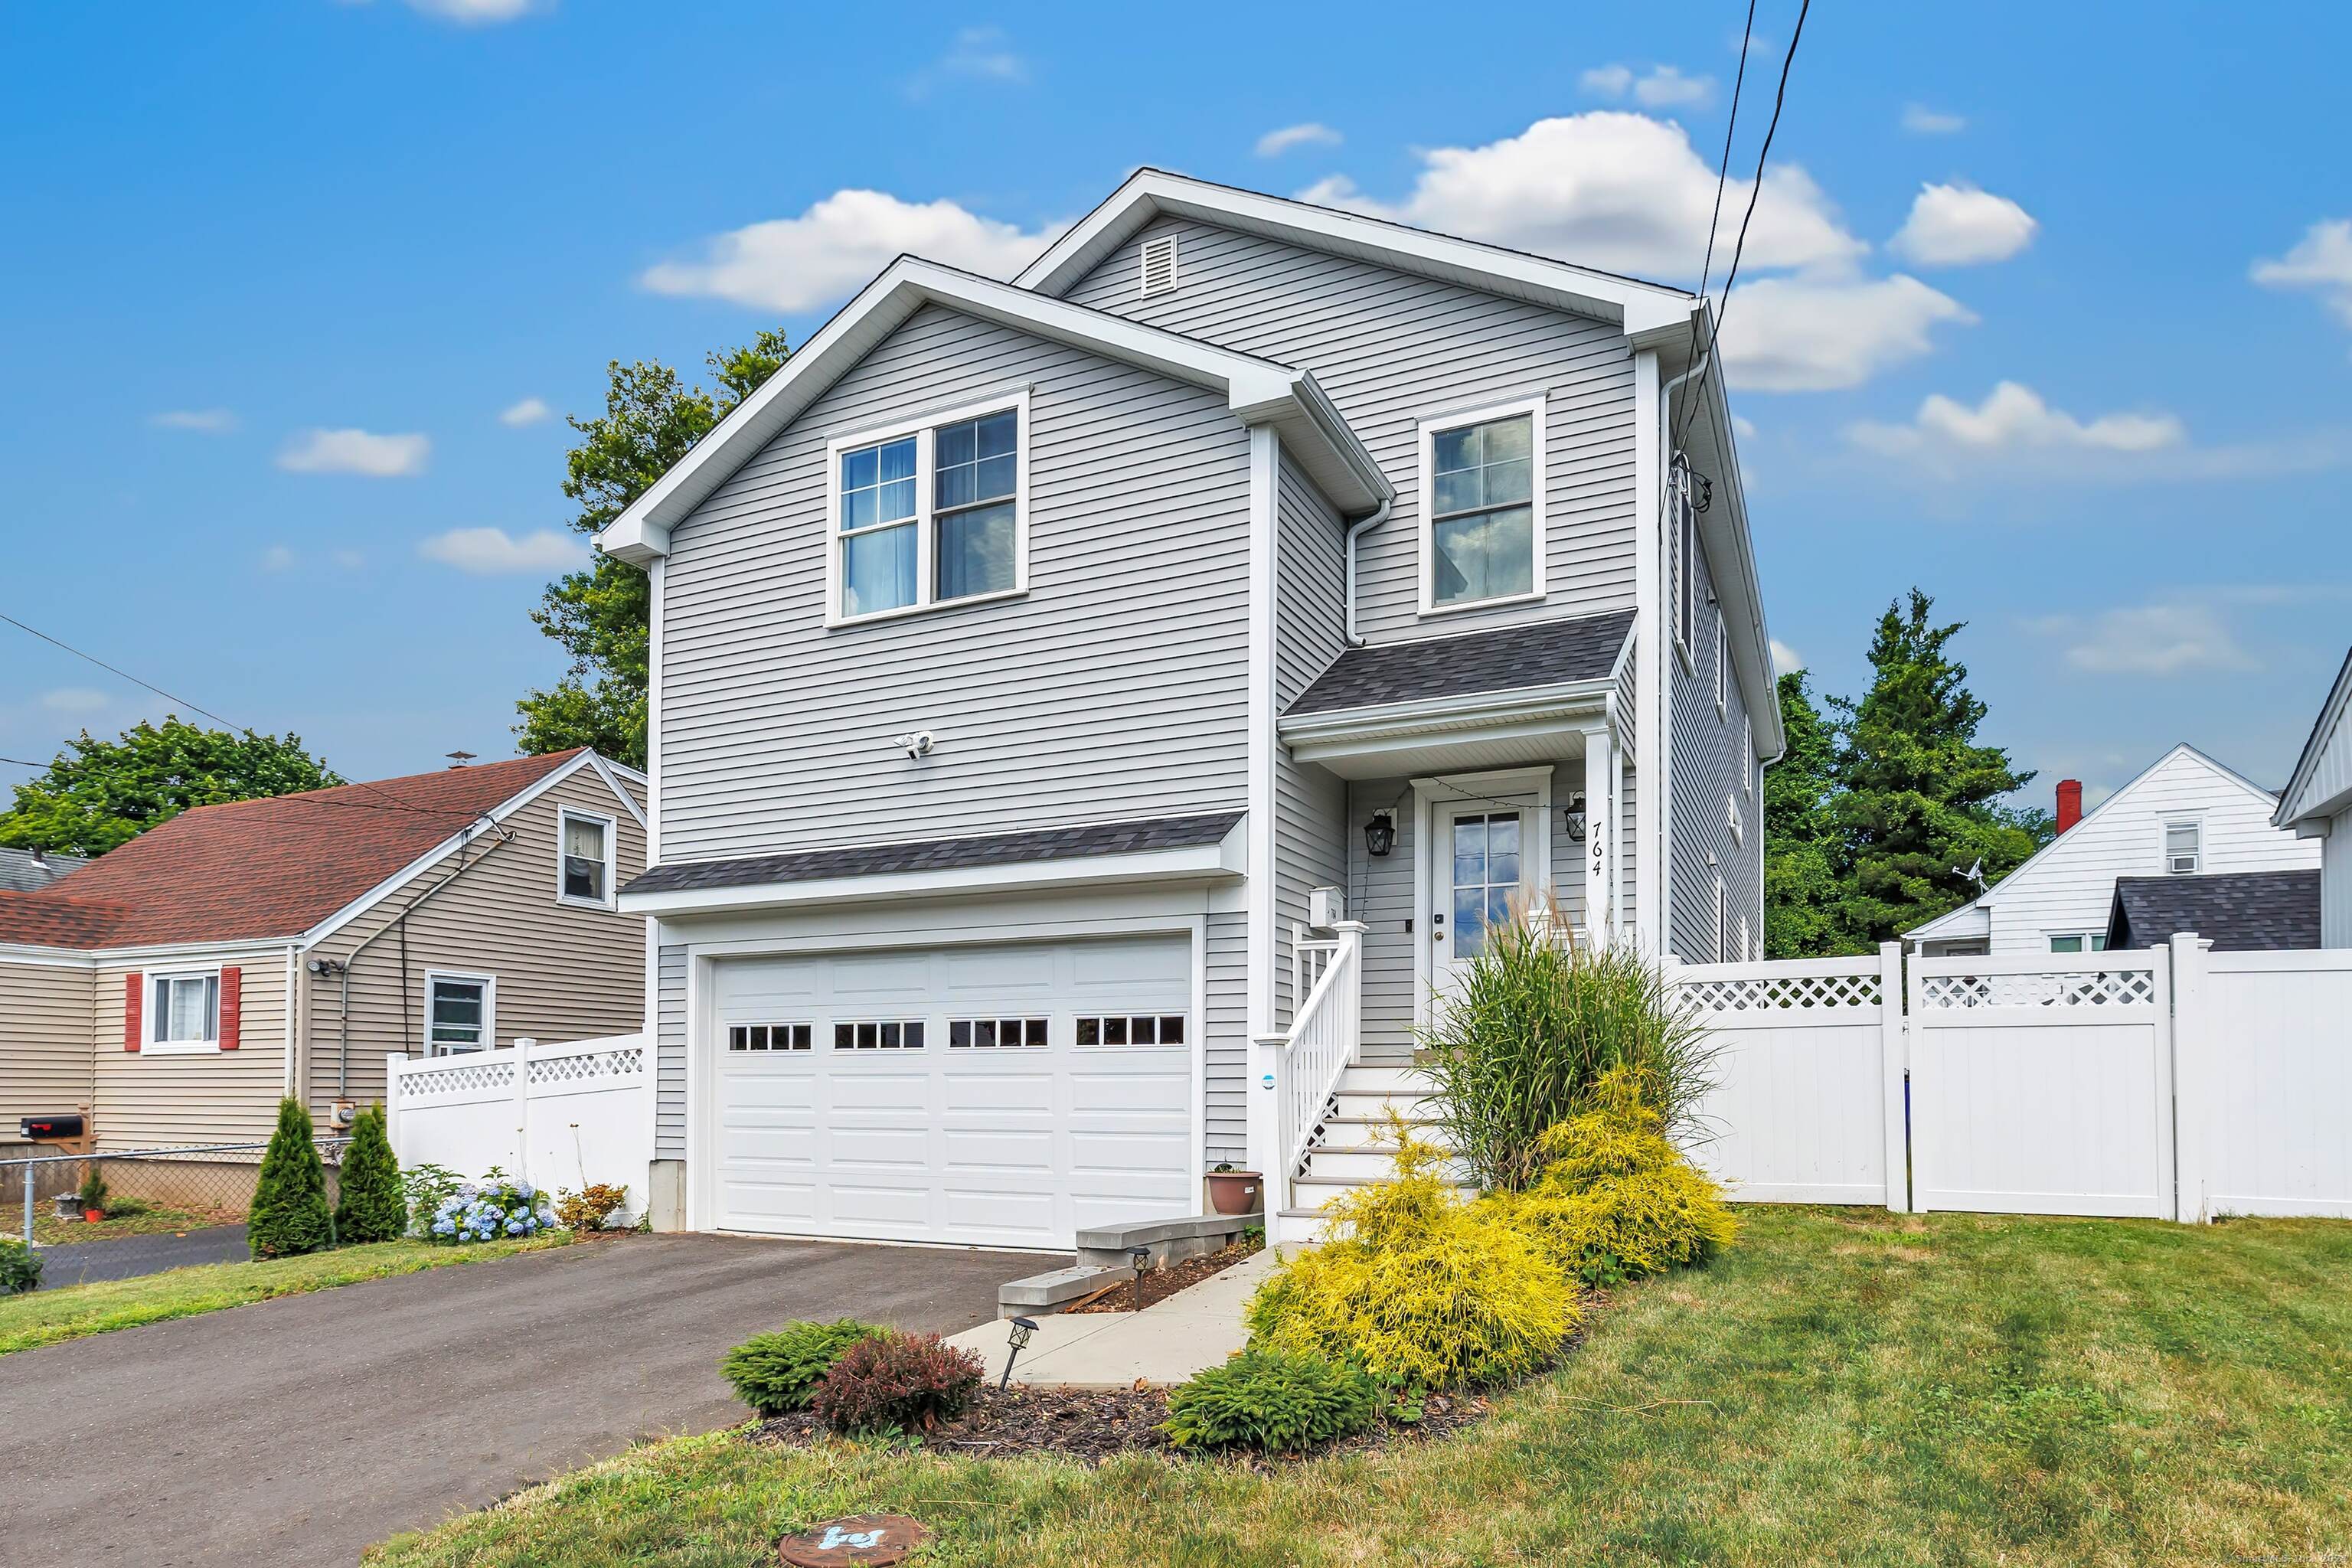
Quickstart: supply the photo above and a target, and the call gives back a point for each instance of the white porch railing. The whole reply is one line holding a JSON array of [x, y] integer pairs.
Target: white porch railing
[[1324, 1034], [1310, 956]]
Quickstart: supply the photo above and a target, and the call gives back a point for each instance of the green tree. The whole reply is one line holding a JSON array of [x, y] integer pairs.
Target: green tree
[[370, 1206], [290, 1212], [1803, 858], [601, 613], [99, 794]]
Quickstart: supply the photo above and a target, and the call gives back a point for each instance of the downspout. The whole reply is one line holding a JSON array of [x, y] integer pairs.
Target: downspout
[[343, 1046], [293, 997], [1379, 514]]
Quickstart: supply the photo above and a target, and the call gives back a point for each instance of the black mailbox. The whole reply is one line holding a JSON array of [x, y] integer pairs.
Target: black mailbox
[[48, 1128]]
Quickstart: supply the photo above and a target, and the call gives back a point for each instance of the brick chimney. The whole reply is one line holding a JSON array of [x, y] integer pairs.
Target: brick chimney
[[2070, 803]]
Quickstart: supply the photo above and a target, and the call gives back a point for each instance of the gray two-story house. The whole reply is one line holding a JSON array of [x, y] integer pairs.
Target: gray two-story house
[[1093, 713]]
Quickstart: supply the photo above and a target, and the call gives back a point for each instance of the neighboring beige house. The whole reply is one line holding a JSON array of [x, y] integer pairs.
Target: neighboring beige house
[[180, 985]]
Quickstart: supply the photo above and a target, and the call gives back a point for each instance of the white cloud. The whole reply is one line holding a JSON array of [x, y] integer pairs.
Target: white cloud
[[478, 13], [1785, 659], [1826, 330], [490, 552], [278, 558], [348, 560], [355, 452], [2148, 639], [1610, 189], [204, 421], [1743, 427], [2321, 262], [1665, 86], [802, 263], [1921, 120], [978, 54], [1960, 226], [2013, 419], [73, 700], [1313, 133], [529, 411]]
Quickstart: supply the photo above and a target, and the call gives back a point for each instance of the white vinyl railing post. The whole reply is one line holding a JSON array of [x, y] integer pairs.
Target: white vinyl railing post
[[522, 1107], [393, 1063], [2193, 1065], [1893, 1067]]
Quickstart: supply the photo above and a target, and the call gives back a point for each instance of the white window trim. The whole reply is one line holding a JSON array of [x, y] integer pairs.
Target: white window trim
[[1739, 827], [2085, 937], [1683, 584], [489, 984], [1722, 925], [1428, 428], [1747, 753], [1722, 696], [151, 1017], [920, 426], [2163, 843], [612, 826]]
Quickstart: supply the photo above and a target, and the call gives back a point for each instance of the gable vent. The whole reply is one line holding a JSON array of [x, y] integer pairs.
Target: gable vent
[[1158, 266]]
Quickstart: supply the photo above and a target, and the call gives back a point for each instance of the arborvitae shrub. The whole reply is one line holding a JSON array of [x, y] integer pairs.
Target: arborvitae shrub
[[372, 1208], [775, 1373], [289, 1212]]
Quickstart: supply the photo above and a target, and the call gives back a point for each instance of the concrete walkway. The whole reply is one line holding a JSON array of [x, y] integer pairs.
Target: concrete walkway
[[1166, 1342]]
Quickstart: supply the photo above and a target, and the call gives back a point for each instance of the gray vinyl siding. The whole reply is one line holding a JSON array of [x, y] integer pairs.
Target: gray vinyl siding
[[1116, 688], [1225, 1116], [564, 972], [1389, 347], [669, 1053], [1704, 770], [1310, 630], [45, 1024]]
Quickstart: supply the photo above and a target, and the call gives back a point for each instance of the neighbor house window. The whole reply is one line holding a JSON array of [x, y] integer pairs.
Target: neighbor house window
[[587, 858], [458, 1014], [2184, 846], [932, 515], [1482, 532], [185, 1009], [2078, 941]]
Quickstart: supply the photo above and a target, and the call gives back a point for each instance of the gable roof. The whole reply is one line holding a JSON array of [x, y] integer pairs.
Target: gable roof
[[1948, 923], [1641, 309], [2237, 911], [275, 867], [1259, 392], [2301, 798]]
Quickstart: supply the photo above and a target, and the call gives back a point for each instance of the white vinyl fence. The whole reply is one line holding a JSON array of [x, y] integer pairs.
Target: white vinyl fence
[[558, 1115], [2172, 1083]]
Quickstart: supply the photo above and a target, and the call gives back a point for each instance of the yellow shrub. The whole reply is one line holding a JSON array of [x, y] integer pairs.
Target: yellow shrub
[[1425, 1289], [1617, 1200]]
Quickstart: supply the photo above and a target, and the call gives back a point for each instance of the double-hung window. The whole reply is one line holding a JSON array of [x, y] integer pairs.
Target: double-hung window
[[185, 1009], [2184, 847], [586, 869], [1483, 523], [460, 1014], [930, 516]]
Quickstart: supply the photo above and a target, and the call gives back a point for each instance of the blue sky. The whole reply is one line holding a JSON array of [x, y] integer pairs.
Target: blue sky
[[2050, 317]]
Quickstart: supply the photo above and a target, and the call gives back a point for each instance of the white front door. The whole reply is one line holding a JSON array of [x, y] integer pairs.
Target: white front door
[[1485, 871]]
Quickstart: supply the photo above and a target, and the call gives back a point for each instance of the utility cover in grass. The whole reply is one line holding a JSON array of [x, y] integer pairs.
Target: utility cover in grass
[[864, 1540]]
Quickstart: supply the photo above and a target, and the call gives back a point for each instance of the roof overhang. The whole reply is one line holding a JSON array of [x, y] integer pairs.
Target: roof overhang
[[1644, 311], [1487, 729], [2306, 803], [1259, 392], [1971, 919]]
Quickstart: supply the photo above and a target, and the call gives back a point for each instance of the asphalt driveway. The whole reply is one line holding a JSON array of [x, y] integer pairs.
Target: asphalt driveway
[[301, 1430]]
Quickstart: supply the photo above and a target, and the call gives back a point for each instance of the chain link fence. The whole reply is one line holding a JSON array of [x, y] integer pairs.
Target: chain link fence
[[115, 1215]]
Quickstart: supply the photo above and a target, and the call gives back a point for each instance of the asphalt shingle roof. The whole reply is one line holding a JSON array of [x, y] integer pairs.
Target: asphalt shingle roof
[[22, 871], [942, 854], [262, 868], [1545, 653], [2237, 911]]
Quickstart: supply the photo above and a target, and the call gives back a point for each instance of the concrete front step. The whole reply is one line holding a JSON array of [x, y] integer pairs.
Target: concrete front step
[[1312, 1191], [1373, 1133], [1399, 1079]]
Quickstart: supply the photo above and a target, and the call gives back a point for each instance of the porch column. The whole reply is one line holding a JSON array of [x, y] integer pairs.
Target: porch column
[[1599, 834]]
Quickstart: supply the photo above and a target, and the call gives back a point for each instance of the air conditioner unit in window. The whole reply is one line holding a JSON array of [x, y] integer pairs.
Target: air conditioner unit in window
[[2184, 863]]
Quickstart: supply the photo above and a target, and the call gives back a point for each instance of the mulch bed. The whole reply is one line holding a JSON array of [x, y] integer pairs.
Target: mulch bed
[[1099, 1425], [1163, 1283]]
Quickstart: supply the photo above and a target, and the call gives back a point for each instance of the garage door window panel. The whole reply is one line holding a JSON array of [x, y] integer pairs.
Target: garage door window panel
[[878, 1035], [1132, 1029], [769, 1038], [984, 1034]]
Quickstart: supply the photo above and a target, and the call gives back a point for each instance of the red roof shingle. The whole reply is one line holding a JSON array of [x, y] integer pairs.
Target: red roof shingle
[[262, 868]]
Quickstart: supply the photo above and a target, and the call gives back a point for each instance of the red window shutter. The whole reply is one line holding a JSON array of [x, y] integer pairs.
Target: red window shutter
[[230, 986], [134, 996]]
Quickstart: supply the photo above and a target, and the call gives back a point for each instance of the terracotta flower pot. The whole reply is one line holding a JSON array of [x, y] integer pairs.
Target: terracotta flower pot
[[91, 1217], [1233, 1192]]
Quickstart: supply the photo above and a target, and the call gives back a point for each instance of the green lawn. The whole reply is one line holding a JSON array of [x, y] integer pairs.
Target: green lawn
[[72, 1311], [1844, 1388]]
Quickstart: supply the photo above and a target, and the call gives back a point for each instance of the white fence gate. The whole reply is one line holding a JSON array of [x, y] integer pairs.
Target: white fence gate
[[558, 1116], [2172, 1083]]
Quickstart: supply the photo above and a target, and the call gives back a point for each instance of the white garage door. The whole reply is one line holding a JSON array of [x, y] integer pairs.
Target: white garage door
[[1003, 1094]]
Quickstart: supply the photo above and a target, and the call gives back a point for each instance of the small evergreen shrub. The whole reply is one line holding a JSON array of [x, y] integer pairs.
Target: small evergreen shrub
[[371, 1206], [897, 1382], [423, 1187], [776, 1373], [20, 1268], [1271, 1399], [591, 1208], [1427, 1290], [289, 1212], [1617, 1199], [93, 1190]]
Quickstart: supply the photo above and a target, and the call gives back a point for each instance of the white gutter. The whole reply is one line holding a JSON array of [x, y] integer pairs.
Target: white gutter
[[1379, 515]]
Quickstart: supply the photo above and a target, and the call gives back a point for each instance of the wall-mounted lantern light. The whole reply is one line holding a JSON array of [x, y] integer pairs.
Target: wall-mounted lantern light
[[1571, 819], [1380, 833]]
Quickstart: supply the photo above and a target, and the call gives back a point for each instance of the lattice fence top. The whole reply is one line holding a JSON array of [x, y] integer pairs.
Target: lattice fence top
[[1784, 994], [2071, 988], [458, 1078], [624, 1063]]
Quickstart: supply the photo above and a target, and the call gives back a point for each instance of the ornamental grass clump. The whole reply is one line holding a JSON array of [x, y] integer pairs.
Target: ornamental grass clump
[[776, 1373], [1426, 1290], [1617, 1200], [1534, 1022], [895, 1382], [1273, 1400]]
